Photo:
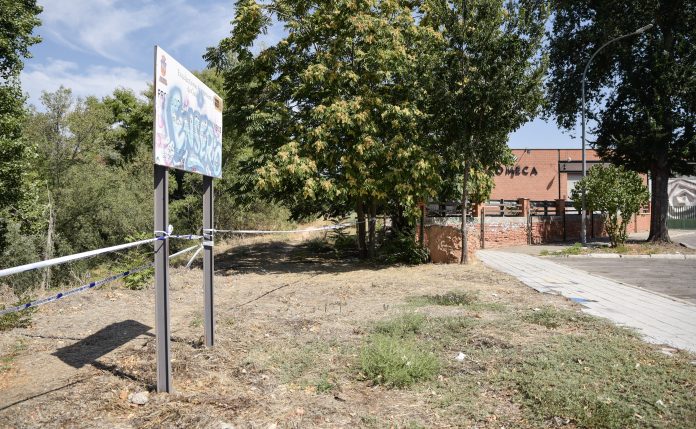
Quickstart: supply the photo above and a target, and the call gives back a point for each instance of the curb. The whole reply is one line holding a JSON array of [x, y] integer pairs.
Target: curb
[[618, 256]]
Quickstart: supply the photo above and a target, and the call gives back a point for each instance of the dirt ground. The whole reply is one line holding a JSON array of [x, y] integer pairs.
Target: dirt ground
[[290, 324]]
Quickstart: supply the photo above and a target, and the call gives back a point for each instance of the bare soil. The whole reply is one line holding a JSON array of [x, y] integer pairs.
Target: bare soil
[[290, 325]]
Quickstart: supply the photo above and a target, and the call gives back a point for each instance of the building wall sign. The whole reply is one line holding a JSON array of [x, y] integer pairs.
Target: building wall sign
[[517, 171]]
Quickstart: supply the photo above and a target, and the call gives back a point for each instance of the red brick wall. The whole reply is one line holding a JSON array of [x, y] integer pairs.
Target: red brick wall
[[547, 183], [444, 241]]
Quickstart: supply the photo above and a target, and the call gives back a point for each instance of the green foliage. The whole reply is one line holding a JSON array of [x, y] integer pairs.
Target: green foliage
[[486, 78], [20, 250], [640, 90], [617, 193], [17, 22], [396, 362], [135, 258], [333, 110], [19, 319]]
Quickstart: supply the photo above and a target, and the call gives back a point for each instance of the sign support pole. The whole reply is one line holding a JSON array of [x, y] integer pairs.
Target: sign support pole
[[208, 269], [162, 328]]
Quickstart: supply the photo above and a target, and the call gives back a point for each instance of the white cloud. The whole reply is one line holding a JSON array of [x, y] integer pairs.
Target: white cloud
[[119, 29], [92, 80], [105, 27]]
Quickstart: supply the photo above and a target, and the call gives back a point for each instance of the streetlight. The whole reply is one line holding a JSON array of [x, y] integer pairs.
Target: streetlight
[[583, 229]]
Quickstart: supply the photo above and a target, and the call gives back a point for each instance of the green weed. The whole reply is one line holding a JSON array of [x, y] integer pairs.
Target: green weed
[[401, 326], [396, 362], [449, 298]]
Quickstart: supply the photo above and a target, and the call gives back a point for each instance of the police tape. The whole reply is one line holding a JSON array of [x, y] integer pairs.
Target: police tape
[[88, 286]]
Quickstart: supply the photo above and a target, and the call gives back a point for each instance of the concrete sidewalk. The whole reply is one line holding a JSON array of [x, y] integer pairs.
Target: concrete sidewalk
[[660, 319]]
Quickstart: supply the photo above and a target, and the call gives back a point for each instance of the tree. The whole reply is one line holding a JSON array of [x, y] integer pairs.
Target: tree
[[616, 192], [334, 110], [17, 21], [641, 90], [486, 83]]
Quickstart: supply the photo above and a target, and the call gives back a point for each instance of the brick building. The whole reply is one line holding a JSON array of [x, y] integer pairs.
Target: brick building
[[541, 174]]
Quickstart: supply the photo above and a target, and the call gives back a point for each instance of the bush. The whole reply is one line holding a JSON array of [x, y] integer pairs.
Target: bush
[[403, 248], [134, 258], [617, 193]]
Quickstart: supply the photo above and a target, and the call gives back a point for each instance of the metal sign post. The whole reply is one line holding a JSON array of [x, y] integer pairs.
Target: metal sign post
[[208, 238], [187, 135], [162, 329]]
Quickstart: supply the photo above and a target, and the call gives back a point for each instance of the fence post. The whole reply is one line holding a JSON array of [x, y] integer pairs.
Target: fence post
[[561, 211], [162, 328], [483, 227], [421, 232], [208, 268]]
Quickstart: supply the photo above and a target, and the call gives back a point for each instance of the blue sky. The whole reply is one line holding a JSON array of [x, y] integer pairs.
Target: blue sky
[[95, 46]]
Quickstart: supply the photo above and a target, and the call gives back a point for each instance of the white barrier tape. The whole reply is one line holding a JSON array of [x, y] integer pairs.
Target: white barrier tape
[[188, 265], [87, 286], [254, 231], [69, 258], [91, 253]]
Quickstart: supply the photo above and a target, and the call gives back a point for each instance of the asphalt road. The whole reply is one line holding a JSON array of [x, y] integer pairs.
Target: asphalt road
[[688, 238], [673, 277]]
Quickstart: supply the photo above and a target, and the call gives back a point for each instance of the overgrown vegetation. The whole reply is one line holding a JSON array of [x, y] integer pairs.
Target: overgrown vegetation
[[605, 379]]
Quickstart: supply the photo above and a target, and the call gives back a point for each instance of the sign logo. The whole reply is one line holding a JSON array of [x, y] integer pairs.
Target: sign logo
[[163, 65]]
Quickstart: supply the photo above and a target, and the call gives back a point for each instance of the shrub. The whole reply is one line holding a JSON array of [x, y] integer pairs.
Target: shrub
[[617, 193], [19, 319]]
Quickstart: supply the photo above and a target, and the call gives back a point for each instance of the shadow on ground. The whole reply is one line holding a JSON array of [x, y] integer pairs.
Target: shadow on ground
[[89, 349], [277, 257]]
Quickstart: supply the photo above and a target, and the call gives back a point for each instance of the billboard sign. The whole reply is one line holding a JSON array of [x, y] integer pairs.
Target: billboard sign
[[188, 119]]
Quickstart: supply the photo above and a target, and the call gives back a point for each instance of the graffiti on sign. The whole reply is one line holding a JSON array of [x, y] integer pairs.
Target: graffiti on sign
[[188, 120]]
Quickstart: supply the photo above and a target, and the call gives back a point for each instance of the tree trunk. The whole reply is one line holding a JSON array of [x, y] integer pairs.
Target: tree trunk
[[465, 200], [362, 246], [659, 205], [372, 223], [48, 252]]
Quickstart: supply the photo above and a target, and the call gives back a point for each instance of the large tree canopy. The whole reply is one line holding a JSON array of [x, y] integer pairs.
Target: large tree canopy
[[485, 83], [641, 90], [334, 109]]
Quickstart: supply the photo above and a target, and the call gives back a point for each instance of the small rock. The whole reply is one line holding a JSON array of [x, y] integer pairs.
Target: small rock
[[693, 362], [272, 426], [536, 309], [660, 403], [223, 425], [460, 357], [495, 295], [668, 351], [139, 398]]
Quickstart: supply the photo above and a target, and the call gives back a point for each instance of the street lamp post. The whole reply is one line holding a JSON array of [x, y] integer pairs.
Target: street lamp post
[[583, 217]]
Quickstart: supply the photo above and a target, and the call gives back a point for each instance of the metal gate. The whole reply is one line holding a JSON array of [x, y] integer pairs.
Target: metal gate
[[682, 217]]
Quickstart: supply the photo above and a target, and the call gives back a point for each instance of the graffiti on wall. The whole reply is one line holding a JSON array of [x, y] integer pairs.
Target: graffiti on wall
[[188, 120], [682, 193]]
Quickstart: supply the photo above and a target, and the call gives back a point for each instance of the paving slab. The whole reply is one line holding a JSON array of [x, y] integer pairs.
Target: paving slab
[[659, 318]]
